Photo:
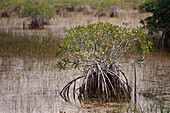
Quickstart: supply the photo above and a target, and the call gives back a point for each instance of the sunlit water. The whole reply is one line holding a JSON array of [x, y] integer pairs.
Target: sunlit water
[[28, 85]]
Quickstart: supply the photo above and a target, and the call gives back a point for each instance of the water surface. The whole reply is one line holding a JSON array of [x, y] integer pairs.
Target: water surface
[[30, 86]]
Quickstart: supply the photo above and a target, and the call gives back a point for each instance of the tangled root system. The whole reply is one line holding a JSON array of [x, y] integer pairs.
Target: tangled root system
[[38, 23], [100, 83]]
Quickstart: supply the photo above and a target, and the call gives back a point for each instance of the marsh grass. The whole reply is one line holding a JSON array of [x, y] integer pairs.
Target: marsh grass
[[151, 108], [158, 54], [27, 46], [158, 107]]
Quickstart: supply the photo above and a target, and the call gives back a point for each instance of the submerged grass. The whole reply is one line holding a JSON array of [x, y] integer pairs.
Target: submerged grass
[[151, 108], [27, 46]]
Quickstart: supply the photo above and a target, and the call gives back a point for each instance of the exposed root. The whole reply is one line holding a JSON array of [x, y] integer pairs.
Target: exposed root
[[65, 91], [100, 83], [5, 13], [38, 23]]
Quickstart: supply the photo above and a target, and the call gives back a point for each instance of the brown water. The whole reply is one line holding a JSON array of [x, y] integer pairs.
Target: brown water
[[28, 85]]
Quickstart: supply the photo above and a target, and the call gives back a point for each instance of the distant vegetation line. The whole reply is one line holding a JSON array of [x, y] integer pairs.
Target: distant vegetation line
[[98, 4], [75, 2], [41, 11]]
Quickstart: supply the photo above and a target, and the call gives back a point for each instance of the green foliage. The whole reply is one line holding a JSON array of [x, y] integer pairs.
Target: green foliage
[[103, 42], [11, 4], [106, 4], [160, 18], [31, 9], [138, 2], [8, 6], [62, 64], [75, 2], [61, 4], [5, 5], [69, 3], [98, 4]]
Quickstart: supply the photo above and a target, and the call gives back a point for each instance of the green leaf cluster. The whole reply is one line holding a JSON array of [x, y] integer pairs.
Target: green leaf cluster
[[106, 4], [62, 64], [31, 9], [97, 4], [5, 5], [69, 3], [12, 4], [61, 4], [160, 18], [103, 42]]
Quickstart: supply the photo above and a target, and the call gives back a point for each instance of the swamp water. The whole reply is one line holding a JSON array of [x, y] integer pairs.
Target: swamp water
[[30, 85]]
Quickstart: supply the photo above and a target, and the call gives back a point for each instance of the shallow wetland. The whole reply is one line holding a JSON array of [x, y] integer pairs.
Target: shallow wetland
[[30, 81]]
